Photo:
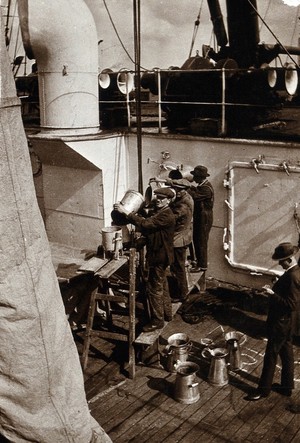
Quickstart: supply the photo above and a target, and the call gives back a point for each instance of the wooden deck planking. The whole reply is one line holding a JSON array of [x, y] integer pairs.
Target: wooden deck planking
[[156, 421], [281, 427], [276, 421], [117, 406], [146, 396], [230, 420], [136, 412], [294, 427], [143, 410], [116, 401], [193, 418], [130, 430], [290, 431], [160, 409]]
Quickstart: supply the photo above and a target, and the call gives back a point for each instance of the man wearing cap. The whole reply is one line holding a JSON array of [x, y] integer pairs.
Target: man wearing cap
[[203, 196], [282, 324], [158, 230], [183, 208]]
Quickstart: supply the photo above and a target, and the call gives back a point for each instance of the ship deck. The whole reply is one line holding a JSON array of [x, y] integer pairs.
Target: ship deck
[[144, 409]]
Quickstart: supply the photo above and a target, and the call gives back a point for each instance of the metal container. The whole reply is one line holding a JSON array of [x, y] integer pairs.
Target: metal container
[[218, 372], [179, 339], [177, 349], [112, 238], [154, 184], [186, 389], [132, 201], [234, 340]]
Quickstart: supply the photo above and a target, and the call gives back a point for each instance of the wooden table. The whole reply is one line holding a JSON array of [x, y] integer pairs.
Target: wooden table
[[107, 296]]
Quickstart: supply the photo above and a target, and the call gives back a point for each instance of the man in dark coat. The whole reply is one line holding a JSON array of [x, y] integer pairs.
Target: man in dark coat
[[282, 324], [158, 230], [183, 208], [203, 196]]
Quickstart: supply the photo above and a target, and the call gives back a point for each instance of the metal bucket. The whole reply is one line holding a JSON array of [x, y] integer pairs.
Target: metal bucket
[[178, 349], [186, 389], [132, 201], [153, 184], [112, 238]]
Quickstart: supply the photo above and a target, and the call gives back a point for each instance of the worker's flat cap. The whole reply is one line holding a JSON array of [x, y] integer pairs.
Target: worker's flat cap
[[164, 192]]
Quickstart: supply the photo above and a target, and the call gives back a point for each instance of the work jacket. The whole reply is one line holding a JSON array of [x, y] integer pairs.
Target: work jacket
[[183, 208], [284, 305], [203, 196], [158, 230]]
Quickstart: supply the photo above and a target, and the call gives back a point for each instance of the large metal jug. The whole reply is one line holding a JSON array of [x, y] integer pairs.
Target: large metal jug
[[218, 372], [234, 340], [177, 349], [186, 389]]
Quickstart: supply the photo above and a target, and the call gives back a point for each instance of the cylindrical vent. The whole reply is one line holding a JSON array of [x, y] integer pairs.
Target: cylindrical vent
[[291, 79], [125, 81]]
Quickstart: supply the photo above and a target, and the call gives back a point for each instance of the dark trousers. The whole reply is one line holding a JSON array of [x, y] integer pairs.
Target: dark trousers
[[284, 348], [158, 293], [201, 229], [178, 268]]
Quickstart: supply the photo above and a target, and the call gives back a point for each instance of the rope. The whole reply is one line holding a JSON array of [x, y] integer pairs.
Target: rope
[[197, 22]]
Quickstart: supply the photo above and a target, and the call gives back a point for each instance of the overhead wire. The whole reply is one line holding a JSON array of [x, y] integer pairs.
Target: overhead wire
[[270, 30], [116, 31], [265, 14]]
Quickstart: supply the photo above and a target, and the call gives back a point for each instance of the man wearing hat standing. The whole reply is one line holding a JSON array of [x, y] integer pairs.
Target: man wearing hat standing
[[158, 230], [282, 324], [203, 196], [183, 208]]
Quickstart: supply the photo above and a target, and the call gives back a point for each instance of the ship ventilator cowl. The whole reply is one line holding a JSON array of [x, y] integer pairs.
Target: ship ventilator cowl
[[67, 60]]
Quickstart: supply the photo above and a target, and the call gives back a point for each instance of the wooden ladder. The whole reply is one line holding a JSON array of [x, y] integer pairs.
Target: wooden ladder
[[129, 336]]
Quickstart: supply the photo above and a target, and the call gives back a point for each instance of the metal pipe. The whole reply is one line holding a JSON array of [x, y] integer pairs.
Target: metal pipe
[[137, 46], [68, 77]]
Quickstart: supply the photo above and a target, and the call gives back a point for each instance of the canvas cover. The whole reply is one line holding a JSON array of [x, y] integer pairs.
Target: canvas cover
[[42, 396]]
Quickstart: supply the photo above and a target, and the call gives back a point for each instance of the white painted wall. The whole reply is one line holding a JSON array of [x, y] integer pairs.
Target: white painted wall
[[82, 180]]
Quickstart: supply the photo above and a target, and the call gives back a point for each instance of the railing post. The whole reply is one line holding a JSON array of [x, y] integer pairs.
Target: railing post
[[128, 103], [159, 100], [223, 116]]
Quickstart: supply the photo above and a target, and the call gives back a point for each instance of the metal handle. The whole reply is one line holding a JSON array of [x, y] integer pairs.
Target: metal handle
[[206, 353]]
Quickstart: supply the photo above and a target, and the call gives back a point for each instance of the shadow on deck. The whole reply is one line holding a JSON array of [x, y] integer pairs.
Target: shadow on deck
[[144, 409]]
